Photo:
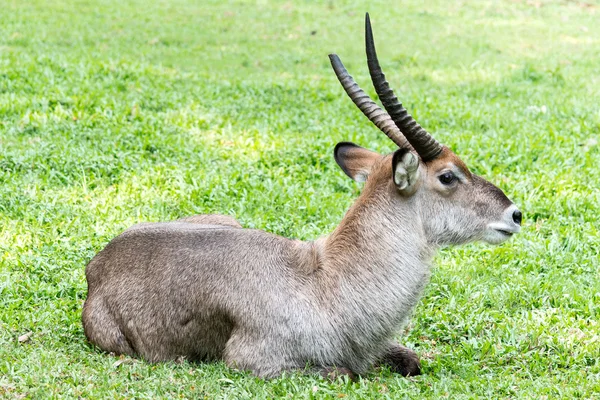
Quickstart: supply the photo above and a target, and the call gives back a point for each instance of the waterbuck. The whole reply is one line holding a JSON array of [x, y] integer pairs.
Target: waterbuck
[[206, 289]]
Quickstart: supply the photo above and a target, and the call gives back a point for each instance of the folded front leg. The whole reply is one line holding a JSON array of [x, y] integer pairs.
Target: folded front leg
[[401, 360]]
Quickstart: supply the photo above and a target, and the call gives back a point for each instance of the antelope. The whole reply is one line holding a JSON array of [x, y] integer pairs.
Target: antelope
[[205, 288]]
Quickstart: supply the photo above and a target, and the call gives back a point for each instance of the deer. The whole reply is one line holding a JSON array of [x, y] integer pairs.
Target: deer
[[207, 289]]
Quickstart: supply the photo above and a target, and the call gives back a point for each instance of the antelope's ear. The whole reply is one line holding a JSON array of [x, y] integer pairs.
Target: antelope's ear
[[405, 170], [354, 160]]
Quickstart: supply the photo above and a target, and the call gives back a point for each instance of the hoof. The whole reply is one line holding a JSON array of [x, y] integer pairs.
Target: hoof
[[402, 361]]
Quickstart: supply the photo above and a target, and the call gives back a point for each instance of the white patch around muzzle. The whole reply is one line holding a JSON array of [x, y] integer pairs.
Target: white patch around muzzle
[[500, 231]]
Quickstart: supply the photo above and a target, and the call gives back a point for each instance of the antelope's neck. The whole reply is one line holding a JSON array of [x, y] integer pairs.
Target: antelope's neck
[[379, 233], [378, 259]]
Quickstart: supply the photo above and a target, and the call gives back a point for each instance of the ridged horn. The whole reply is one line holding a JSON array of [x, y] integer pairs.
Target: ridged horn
[[376, 115], [423, 143]]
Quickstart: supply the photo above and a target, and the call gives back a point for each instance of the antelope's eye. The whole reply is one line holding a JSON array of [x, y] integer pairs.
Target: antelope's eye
[[447, 178]]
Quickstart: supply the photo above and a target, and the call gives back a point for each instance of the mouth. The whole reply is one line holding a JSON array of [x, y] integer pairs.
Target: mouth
[[499, 233]]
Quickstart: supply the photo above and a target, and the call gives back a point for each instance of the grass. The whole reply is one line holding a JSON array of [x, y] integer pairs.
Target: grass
[[114, 112]]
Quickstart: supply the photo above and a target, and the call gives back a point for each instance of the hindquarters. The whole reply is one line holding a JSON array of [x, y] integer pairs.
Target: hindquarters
[[101, 328], [172, 289], [153, 331]]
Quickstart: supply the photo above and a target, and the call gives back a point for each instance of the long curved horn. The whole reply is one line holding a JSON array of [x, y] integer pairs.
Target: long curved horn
[[376, 115], [423, 143]]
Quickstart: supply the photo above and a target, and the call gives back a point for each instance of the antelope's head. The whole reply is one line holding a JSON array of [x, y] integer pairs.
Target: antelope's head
[[455, 205]]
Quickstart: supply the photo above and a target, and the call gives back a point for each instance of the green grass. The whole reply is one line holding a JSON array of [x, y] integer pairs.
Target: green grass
[[115, 112]]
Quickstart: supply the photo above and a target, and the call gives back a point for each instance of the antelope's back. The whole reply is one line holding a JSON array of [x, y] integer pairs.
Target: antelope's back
[[197, 265]]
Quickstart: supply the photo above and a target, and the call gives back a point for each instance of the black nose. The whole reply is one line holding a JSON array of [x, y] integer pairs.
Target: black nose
[[517, 216]]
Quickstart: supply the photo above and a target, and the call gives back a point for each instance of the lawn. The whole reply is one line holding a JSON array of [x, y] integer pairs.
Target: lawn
[[117, 112]]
